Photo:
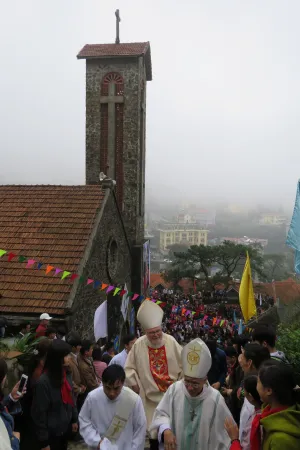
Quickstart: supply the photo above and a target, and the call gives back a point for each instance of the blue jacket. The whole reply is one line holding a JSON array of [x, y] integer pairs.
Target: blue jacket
[[9, 423]]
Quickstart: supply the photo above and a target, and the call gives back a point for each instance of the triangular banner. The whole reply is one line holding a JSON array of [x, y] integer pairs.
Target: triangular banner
[[10, 256], [2, 252], [39, 265], [22, 258], [104, 286], [158, 302], [74, 276], [123, 292], [116, 291], [135, 297], [65, 274], [81, 279], [110, 288], [57, 271], [97, 284], [89, 281], [48, 269], [30, 263]]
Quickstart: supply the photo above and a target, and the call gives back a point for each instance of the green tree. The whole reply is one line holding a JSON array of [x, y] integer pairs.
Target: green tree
[[197, 261], [275, 267]]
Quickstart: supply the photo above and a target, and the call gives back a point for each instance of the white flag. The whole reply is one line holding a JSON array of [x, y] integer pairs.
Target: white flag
[[100, 321], [125, 303]]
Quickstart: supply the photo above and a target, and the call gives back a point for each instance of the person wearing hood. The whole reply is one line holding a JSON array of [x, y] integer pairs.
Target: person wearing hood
[[191, 414], [280, 419], [153, 363], [266, 337]]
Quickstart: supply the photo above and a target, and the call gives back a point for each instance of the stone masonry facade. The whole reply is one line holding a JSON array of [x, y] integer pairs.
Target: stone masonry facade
[[110, 263], [132, 70]]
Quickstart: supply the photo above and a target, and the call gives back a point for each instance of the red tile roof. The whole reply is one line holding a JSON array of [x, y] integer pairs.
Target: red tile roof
[[185, 283], [287, 291], [52, 225], [132, 49]]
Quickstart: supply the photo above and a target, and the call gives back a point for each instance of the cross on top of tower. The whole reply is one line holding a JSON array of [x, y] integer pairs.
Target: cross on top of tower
[[118, 20]]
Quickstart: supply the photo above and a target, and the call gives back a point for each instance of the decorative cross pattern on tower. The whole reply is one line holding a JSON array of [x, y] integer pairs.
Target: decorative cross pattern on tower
[[112, 103]]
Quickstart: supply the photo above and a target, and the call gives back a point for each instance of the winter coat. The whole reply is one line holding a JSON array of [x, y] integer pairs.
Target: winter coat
[[282, 430], [50, 415]]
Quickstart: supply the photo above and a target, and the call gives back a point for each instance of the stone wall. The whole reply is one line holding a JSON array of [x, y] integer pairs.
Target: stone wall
[[133, 73], [109, 262]]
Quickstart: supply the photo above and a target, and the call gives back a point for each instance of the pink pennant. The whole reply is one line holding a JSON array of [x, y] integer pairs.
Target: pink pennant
[[57, 271], [153, 300], [89, 281], [30, 263], [135, 297]]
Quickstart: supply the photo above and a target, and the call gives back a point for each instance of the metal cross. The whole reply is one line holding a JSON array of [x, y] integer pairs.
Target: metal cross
[[118, 20]]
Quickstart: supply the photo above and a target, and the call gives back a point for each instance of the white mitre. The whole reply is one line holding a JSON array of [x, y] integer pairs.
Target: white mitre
[[196, 359], [150, 315]]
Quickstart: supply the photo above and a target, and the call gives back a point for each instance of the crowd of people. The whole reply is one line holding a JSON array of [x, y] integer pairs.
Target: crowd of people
[[186, 381]]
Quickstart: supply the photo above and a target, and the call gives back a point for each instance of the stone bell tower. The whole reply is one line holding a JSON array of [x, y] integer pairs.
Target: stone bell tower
[[116, 79]]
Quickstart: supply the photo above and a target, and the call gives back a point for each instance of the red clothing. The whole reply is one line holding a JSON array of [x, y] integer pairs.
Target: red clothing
[[41, 330]]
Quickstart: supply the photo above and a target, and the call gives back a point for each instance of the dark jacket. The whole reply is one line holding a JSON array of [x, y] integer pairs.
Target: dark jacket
[[218, 369], [50, 415], [9, 423]]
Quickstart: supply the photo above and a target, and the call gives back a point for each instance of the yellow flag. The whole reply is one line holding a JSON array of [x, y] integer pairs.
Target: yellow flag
[[246, 294]]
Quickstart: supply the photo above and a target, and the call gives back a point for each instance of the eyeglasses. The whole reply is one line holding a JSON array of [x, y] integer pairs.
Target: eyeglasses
[[153, 333], [192, 384]]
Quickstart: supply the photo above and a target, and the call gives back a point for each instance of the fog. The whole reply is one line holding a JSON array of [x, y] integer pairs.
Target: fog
[[222, 110]]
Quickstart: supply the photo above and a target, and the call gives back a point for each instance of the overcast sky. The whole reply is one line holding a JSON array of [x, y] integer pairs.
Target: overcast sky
[[223, 109]]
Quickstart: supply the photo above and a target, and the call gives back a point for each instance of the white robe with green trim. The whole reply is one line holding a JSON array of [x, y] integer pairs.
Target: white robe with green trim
[[206, 431]]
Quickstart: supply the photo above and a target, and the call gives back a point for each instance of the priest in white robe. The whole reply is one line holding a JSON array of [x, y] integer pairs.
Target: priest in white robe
[[191, 414], [154, 362], [113, 416]]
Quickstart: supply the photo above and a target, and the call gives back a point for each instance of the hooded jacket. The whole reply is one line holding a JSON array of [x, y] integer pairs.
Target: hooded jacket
[[282, 430]]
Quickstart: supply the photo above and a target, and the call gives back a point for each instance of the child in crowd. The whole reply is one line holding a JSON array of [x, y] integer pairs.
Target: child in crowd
[[252, 395]]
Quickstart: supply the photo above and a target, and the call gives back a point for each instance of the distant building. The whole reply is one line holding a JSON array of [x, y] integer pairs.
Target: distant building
[[185, 218], [272, 219], [246, 241], [190, 234], [205, 217]]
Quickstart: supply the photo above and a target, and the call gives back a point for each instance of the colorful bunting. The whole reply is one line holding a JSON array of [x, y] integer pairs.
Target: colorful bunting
[[39, 265], [104, 286], [2, 252], [10, 256], [116, 291], [110, 288], [65, 274], [123, 292], [57, 271], [135, 297], [89, 281], [81, 279], [96, 284], [30, 263], [22, 258], [48, 269], [74, 276]]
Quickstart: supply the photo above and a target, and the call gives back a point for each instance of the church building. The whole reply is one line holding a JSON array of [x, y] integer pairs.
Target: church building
[[94, 231]]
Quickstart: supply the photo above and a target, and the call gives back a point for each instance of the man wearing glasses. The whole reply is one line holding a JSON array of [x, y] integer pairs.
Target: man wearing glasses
[[191, 415], [154, 362]]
